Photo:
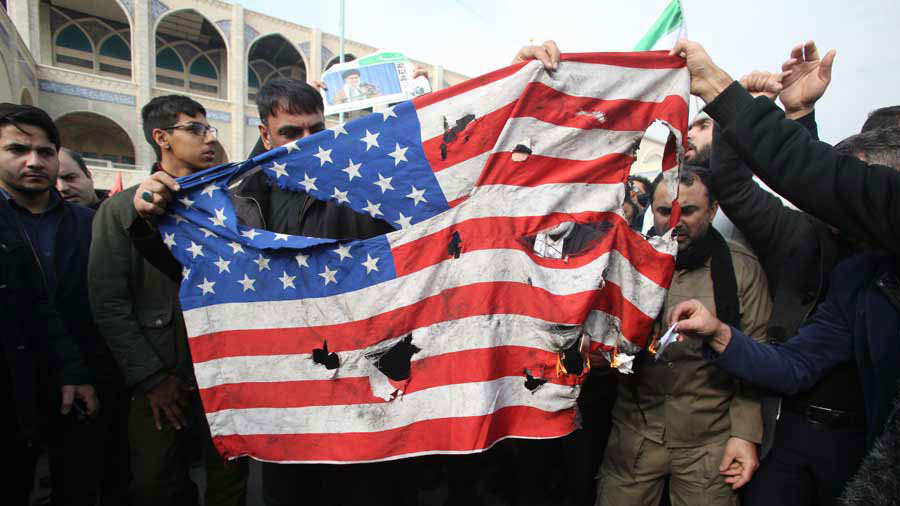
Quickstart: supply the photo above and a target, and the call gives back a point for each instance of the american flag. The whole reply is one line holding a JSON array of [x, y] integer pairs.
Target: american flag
[[461, 327]]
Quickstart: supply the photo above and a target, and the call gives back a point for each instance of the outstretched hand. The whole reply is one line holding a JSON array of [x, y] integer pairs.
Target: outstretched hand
[[707, 79], [696, 322], [806, 77]]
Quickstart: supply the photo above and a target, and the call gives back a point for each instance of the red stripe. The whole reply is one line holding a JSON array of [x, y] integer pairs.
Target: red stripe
[[479, 136], [467, 366], [639, 60], [539, 170], [471, 300], [618, 115], [644, 60], [443, 435], [635, 325]]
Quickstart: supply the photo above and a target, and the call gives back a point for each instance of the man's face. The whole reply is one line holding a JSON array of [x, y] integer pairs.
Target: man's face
[[636, 189], [284, 127], [28, 160], [696, 212], [73, 184], [699, 142], [352, 80], [190, 148]]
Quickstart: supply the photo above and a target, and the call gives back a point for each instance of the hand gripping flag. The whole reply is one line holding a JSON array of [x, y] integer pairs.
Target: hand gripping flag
[[465, 325]]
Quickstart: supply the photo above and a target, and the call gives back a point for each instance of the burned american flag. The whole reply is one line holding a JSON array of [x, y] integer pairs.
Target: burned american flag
[[465, 325]]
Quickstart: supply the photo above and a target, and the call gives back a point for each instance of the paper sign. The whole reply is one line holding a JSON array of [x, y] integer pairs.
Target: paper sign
[[381, 78]]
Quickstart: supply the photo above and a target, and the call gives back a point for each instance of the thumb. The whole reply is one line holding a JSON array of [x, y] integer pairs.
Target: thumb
[[727, 459], [826, 65], [68, 396]]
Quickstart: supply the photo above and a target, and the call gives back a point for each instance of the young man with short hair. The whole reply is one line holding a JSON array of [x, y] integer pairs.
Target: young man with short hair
[[43, 255], [137, 308]]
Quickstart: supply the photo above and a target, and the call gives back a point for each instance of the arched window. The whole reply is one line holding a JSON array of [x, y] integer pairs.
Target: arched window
[[72, 37], [74, 48], [115, 47], [168, 59], [204, 68]]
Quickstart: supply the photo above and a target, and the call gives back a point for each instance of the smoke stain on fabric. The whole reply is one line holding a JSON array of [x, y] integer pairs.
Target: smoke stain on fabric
[[451, 133], [454, 249], [322, 357], [572, 359], [522, 151]]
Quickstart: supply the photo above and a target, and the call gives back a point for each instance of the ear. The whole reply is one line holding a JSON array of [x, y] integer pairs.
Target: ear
[[264, 135], [160, 137]]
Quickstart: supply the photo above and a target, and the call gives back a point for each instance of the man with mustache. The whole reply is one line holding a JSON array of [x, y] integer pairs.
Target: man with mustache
[[677, 416]]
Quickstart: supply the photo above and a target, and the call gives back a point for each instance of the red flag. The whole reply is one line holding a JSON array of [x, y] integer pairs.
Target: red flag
[[117, 186]]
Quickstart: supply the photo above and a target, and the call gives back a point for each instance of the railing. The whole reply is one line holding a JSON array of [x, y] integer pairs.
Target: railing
[[106, 164], [105, 173]]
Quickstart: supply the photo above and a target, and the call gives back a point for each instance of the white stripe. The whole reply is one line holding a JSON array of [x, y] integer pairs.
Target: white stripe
[[639, 290], [458, 180], [518, 201], [452, 401], [472, 333], [565, 142], [668, 40], [573, 78], [483, 266]]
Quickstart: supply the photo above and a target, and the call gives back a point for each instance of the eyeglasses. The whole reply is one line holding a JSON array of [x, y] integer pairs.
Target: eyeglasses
[[198, 129]]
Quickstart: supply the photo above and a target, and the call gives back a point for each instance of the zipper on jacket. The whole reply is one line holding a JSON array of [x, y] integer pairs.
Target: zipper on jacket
[[258, 208]]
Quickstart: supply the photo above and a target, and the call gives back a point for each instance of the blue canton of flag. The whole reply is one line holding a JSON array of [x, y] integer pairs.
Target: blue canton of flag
[[374, 165]]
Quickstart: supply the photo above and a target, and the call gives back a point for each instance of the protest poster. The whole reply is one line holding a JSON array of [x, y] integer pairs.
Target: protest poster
[[381, 78]]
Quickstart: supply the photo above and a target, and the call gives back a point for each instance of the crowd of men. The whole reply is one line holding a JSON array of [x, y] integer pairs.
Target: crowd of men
[[782, 388]]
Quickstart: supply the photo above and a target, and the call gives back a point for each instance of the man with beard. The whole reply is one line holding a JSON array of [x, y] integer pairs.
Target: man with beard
[[677, 416], [700, 136]]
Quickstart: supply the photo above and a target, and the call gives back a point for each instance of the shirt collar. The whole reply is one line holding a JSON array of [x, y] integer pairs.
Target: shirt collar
[[54, 202]]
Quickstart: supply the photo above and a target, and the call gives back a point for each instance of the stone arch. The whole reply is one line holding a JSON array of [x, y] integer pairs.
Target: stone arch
[[97, 137], [191, 35], [96, 22], [25, 97], [271, 56], [6, 80]]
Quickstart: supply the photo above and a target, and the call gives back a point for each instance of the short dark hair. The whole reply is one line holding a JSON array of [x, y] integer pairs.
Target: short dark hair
[[641, 179], [881, 146], [882, 118], [351, 72], [15, 114], [288, 95], [163, 112], [337, 59], [79, 160], [687, 176]]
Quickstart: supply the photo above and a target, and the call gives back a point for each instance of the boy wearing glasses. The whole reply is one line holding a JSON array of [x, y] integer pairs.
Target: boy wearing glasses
[[136, 307]]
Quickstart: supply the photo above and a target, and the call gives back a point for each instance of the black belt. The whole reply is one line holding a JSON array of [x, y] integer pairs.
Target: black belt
[[827, 417]]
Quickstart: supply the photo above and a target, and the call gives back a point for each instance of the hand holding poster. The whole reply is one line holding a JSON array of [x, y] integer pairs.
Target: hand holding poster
[[381, 78]]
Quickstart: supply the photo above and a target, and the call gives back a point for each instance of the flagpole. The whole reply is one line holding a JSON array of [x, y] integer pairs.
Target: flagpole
[[684, 20], [341, 114]]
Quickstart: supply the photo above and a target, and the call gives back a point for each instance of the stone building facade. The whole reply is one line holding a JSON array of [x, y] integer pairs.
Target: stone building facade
[[92, 64]]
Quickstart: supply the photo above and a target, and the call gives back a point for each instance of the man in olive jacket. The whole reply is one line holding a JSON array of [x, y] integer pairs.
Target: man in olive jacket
[[136, 308]]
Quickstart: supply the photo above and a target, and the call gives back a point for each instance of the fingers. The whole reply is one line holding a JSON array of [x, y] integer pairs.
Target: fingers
[[68, 396], [825, 67], [166, 179], [727, 460], [797, 52], [810, 52], [682, 312], [789, 64], [680, 48], [154, 194], [743, 478], [553, 52], [89, 396], [173, 413], [420, 72], [156, 421]]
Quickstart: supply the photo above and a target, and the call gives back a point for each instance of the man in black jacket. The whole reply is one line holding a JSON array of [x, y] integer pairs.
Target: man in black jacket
[[43, 243], [819, 437]]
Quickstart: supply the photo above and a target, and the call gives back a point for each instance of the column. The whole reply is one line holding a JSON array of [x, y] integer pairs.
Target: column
[[314, 72], [237, 82], [143, 65]]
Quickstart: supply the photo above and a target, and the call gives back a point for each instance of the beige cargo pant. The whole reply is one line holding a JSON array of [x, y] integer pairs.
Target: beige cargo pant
[[634, 470]]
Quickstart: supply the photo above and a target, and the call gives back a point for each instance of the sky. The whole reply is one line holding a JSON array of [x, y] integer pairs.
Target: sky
[[474, 37]]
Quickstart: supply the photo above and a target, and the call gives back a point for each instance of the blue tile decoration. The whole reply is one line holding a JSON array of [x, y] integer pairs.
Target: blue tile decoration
[[222, 116], [88, 93], [157, 9], [250, 33], [252, 121], [225, 26], [129, 6]]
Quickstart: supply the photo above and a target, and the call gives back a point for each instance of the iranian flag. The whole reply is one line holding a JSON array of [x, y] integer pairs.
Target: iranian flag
[[668, 28]]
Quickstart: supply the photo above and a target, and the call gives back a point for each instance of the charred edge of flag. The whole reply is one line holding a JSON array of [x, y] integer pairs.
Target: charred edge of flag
[[450, 134], [395, 362], [454, 249], [532, 383], [322, 357]]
